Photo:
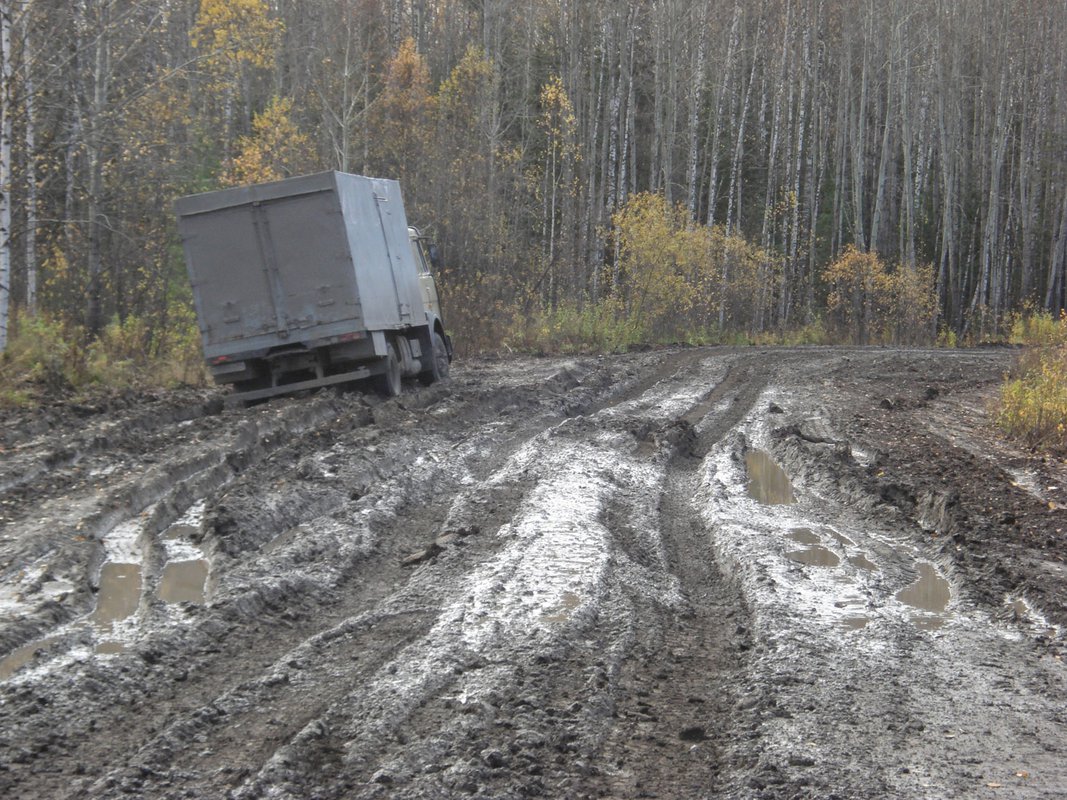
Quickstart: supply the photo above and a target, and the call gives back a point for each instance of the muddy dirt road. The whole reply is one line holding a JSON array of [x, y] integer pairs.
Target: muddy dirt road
[[679, 574]]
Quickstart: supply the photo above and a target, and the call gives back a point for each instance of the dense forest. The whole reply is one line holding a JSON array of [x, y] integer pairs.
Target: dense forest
[[598, 172]]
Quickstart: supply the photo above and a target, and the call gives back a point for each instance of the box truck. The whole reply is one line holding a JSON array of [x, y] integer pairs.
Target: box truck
[[312, 281]]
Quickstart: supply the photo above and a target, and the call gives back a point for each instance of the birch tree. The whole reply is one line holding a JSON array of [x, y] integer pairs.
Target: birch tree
[[6, 133]]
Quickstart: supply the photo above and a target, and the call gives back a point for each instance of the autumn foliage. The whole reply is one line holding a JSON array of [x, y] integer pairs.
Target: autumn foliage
[[597, 175], [1033, 399], [871, 303]]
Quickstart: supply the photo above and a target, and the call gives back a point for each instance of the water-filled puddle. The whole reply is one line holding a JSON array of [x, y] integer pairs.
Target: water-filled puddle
[[120, 592], [842, 540], [21, 657], [804, 536], [110, 648], [930, 592], [767, 482], [814, 556], [570, 602], [863, 562], [183, 582]]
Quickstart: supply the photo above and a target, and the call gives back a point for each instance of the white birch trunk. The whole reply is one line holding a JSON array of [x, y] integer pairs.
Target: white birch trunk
[[716, 120]]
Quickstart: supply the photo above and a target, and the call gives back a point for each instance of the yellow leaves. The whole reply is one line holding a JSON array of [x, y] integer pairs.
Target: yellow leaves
[[276, 148], [876, 303], [557, 110], [460, 95], [675, 274], [558, 121], [1035, 326], [1033, 406], [237, 32]]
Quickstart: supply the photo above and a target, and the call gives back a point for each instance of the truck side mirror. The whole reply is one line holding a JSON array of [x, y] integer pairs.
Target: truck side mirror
[[435, 256]]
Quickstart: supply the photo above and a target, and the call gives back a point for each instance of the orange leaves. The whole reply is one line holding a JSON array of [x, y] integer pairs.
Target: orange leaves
[[400, 121]]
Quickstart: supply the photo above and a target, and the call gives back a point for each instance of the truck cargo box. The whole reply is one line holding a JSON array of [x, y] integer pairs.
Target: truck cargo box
[[287, 269], [299, 258]]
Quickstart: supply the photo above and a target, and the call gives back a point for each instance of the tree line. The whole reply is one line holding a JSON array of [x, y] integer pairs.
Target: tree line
[[674, 167]]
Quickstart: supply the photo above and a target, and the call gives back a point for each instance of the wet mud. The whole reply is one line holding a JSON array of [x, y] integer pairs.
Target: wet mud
[[780, 573]]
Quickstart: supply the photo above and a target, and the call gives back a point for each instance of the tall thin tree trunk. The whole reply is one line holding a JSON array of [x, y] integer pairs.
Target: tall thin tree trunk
[[716, 120], [6, 128], [94, 144], [695, 103], [30, 142]]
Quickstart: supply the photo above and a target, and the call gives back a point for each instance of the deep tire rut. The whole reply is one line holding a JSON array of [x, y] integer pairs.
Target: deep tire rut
[[547, 577]]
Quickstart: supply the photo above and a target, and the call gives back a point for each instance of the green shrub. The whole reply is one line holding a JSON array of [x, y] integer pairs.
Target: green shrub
[[596, 328]]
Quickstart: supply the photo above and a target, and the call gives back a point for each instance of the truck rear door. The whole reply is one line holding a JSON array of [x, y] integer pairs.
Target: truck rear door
[[306, 250]]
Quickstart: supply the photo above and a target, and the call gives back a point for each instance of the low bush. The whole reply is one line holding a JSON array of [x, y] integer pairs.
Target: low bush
[[48, 357], [1033, 399]]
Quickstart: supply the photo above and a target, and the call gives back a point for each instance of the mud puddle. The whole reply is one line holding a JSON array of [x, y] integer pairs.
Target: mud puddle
[[119, 594], [863, 563], [185, 573], [805, 536], [22, 656], [767, 482], [814, 556], [930, 594], [183, 581]]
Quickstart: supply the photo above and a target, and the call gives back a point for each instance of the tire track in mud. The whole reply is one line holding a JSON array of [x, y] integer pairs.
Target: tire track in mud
[[242, 609], [393, 746], [522, 584], [65, 542], [329, 725], [677, 690], [927, 695]]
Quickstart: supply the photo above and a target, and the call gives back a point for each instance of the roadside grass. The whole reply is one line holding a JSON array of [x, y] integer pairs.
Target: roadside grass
[[1033, 400], [605, 327], [49, 358]]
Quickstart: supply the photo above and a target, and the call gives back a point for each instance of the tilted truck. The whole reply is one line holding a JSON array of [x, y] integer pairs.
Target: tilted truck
[[312, 281]]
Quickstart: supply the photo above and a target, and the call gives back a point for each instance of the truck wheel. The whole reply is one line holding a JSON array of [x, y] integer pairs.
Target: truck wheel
[[389, 381], [438, 362]]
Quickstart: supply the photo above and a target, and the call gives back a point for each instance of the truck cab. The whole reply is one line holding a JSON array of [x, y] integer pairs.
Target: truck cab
[[426, 261]]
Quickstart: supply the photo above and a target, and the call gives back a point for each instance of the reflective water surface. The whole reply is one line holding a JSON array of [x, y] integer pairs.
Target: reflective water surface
[[183, 581], [767, 482], [120, 592]]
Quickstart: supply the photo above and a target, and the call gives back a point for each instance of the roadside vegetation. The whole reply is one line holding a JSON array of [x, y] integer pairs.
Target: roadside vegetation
[[49, 359], [1033, 401], [597, 176]]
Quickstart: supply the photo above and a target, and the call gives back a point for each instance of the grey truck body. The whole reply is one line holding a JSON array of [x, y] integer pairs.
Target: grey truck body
[[309, 281]]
